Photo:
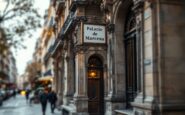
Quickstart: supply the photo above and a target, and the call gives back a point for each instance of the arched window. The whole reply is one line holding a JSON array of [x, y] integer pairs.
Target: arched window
[[95, 62]]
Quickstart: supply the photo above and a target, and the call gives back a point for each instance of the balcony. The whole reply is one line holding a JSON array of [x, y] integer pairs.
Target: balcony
[[48, 53], [67, 23]]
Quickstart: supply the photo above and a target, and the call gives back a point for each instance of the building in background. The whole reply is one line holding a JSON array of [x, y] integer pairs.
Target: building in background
[[48, 38], [13, 74], [4, 69], [23, 82], [42, 52], [20, 82], [8, 70]]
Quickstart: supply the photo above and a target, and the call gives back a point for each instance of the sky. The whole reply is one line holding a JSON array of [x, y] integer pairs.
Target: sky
[[23, 56]]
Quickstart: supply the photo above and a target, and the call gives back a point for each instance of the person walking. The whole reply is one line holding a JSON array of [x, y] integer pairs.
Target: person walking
[[43, 101], [27, 95], [14, 93], [52, 99]]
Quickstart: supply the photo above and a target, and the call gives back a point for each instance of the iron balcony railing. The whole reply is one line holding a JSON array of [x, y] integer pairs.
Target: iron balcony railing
[[67, 23]]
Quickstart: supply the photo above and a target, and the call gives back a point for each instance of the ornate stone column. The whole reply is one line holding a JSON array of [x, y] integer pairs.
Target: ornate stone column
[[66, 77], [68, 74], [54, 75], [60, 78], [114, 100], [80, 97]]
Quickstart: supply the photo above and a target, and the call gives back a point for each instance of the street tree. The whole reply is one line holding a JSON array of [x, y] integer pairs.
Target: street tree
[[33, 71], [18, 19]]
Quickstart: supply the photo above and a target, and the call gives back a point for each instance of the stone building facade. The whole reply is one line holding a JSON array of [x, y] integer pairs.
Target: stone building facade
[[119, 57], [8, 70]]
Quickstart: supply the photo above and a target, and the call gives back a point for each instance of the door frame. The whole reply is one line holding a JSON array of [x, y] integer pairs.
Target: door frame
[[100, 81]]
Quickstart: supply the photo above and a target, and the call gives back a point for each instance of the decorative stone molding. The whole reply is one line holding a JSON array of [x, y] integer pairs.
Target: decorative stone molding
[[80, 19], [152, 1], [80, 48], [111, 28], [67, 58]]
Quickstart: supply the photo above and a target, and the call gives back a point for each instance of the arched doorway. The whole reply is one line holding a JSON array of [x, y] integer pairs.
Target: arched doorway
[[131, 57], [95, 86]]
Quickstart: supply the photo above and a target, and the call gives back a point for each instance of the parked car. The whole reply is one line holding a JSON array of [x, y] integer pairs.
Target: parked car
[[1, 101], [2, 96]]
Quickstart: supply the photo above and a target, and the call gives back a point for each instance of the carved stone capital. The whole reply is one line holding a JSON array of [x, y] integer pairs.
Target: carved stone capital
[[67, 58], [110, 28], [106, 5], [81, 19]]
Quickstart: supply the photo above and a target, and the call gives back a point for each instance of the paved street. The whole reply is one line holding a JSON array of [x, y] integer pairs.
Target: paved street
[[18, 106]]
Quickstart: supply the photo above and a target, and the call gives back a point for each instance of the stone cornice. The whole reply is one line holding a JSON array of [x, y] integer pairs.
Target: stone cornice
[[89, 47]]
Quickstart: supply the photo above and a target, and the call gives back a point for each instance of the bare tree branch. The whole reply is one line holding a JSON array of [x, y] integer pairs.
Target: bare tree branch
[[9, 17], [18, 7], [6, 13], [7, 5], [22, 18]]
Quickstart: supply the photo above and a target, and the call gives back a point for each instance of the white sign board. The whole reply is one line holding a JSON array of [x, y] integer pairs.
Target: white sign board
[[94, 33]]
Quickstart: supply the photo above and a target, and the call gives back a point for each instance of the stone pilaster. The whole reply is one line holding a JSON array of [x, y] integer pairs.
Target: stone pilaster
[[68, 75], [114, 100], [60, 79], [66, 79], [80, 97], [54, 74], [170, 31]]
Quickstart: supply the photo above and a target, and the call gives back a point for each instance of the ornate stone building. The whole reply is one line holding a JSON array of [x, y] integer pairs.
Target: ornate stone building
[[114, 57], [42, 61]]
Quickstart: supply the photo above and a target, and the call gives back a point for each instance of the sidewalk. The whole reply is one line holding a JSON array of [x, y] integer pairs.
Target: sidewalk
[[19, 106]]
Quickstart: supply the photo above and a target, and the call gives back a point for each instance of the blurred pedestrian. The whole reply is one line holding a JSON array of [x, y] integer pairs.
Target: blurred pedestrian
[[52, 97], [27, 95], [43, 100], [14, 93]]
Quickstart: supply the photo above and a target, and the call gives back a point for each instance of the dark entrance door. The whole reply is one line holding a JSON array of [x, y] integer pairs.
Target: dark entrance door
[[95, 86], [131, 54]]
